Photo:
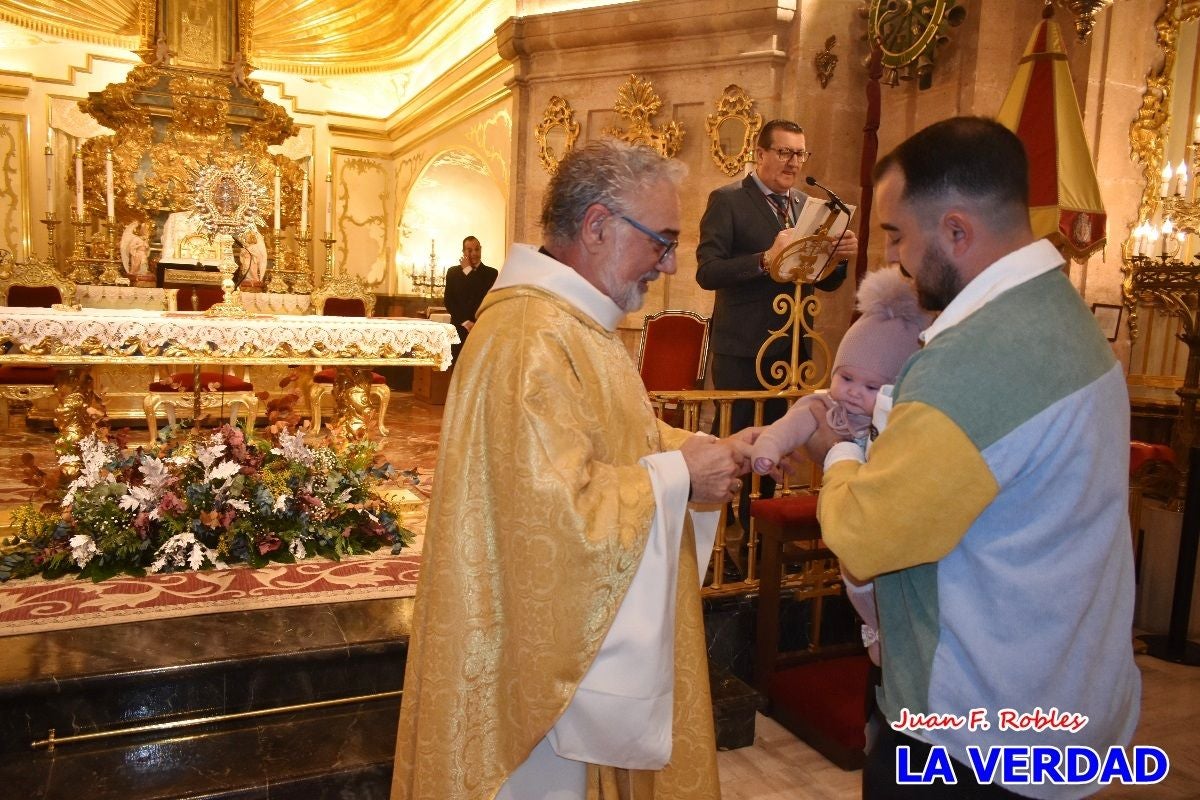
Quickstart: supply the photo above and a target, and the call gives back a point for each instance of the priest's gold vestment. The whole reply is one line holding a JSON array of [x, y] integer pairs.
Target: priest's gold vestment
[[538, 521]]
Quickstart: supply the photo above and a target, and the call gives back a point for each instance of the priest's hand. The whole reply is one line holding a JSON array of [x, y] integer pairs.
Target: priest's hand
[[714, 466]]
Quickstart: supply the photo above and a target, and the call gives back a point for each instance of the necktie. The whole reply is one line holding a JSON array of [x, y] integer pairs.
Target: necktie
[[780, 202]]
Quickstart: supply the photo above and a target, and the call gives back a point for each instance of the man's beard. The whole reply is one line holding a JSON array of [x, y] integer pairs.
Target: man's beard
[[938, 282], [628, 297]]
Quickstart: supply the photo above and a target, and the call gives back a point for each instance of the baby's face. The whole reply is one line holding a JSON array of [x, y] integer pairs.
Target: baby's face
[[856, 389]]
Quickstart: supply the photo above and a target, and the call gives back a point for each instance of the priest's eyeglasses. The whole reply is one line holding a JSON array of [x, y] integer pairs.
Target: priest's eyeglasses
[[668, 245], [786, 154]]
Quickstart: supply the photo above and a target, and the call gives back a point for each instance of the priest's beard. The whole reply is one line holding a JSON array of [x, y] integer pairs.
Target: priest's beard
[[938, 282], [628, 295]]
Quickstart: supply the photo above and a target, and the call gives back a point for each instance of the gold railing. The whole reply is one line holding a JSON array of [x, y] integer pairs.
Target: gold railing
[[698, 408]]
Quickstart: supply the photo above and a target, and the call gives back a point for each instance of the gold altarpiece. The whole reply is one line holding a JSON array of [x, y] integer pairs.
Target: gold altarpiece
[[187, 105]]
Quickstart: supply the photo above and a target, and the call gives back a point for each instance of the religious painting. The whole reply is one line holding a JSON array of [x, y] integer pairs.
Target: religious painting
[[201, 32]]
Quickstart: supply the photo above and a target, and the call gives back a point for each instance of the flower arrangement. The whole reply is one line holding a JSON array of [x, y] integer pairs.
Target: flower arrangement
[[207, 501]]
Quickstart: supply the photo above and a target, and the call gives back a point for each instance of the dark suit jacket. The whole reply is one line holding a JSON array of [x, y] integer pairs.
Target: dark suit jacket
[[464, 293], [738, 226]]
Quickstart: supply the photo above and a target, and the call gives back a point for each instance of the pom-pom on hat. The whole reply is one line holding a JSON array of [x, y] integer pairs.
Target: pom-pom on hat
[[883, 338]]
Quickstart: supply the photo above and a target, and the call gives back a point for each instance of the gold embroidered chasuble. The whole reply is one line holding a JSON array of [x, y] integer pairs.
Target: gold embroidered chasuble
[[537, 526]]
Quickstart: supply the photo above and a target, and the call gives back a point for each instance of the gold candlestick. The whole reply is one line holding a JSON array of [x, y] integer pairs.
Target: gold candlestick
[[52, 252], [111, 275], [81, 271], [277, 284], [302, 280], [328, 241]]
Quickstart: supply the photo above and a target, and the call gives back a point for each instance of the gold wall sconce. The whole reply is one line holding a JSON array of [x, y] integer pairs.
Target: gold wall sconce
[[733, 130], [556, 133], [826, 62], [638, 103]]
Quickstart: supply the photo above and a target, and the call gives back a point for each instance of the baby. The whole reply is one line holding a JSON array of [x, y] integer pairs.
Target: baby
[[871, 354]]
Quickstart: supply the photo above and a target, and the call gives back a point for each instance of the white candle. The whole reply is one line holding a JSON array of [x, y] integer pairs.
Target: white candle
[[1168, 228], [304, 199], [1165, 188], [328, 205], [277, 176], [79, 183], [1181, 178], [49, 180], [108, 185], [1139, 238], [1196, 130]]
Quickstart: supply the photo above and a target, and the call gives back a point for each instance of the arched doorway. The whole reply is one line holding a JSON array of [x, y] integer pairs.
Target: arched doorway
[[455, 196]]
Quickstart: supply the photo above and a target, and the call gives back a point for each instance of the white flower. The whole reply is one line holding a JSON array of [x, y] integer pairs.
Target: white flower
[[207, 455], [93, 455], [296, 548], [280, 504], [292, 447], [182, 549], [154, 474], [223, 471], [239, 504], [83, 549]]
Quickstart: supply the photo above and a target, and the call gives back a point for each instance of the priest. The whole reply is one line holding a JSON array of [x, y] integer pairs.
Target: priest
[[557, 643]]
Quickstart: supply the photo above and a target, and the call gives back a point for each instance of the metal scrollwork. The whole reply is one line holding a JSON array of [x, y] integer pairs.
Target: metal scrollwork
[[734, 125]]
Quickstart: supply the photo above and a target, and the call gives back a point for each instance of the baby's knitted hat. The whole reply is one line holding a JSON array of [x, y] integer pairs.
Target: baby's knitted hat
[[883, 338]]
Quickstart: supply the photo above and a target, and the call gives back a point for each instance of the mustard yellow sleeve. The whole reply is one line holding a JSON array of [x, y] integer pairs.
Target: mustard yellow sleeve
[[672, 438], [921, 488]]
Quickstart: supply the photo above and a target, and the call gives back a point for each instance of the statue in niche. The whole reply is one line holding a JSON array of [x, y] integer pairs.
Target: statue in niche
[[185, 240], [253, 258], [135, 249]]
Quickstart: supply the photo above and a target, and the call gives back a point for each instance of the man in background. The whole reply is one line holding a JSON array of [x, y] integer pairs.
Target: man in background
[[746, 225], [992, 513], [558, 647], [466, 284]]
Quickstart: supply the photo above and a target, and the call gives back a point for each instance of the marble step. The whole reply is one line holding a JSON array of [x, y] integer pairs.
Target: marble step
[[116, 676], [329, 753]]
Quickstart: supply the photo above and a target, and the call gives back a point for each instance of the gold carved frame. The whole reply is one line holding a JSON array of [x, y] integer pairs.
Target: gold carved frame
[[558, 115], [638, 103], [734, 106]]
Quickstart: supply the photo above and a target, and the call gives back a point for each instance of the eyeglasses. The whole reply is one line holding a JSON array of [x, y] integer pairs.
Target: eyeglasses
[[786, 154], [668, 245]]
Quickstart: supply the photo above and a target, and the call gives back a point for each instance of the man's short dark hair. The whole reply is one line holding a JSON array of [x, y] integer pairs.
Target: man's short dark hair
[[973, 156], [768, 131], [469, 239]]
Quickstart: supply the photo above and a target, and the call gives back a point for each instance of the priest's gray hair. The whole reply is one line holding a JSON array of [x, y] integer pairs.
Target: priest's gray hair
[[608, 172]]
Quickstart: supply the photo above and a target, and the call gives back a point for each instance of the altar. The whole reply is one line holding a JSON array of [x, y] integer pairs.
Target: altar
[[124, 386], [130, 340]]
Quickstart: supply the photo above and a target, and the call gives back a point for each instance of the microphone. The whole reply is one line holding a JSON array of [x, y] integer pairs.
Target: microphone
[[838, 204], [833, 198]]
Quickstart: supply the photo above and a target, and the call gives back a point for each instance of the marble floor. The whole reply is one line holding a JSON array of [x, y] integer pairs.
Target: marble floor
[[781, 767], [778, 765]]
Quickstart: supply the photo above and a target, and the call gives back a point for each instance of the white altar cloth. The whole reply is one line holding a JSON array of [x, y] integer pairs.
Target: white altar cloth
[[99, 336]]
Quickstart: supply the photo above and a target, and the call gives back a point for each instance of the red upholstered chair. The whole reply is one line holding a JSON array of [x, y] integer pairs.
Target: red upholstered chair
[[344, 296], [819, 694], [177, 391], [32, 285], [672, 355]]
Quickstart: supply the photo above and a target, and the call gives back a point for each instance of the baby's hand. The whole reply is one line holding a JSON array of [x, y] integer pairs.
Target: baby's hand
[[763, 466]]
